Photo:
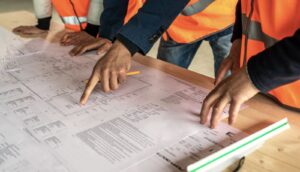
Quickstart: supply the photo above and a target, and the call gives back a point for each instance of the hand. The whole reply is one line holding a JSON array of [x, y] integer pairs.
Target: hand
[[102, 44], [29, 31], [75, 38], [111, 70], [231, 62], [234, 90]]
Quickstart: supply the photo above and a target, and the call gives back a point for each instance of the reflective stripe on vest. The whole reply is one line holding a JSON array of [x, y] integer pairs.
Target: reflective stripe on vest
[[69, 10], [254, 31], [73, 20], [196, 8], [265, 23]]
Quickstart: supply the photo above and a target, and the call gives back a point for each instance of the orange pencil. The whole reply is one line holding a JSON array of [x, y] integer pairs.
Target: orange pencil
[[128, 74]]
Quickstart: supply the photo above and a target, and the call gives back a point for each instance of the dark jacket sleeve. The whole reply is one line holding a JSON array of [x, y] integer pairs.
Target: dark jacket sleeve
[[44, 23], [112, 18], [277, 65], [145, 28], [92, 29]]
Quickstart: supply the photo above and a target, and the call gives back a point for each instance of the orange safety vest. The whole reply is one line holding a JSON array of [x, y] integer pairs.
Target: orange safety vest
[[73, 13], [133, 8], [200, 19], [264, 24]]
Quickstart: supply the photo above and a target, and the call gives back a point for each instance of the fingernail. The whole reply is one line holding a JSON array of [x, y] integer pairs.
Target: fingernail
[[82, 104], [100, 52], [201, 121]]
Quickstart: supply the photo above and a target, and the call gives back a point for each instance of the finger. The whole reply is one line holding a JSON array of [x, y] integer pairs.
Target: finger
[[81, 50], [66, 42], [105, 80], [208, 102], [233, 111], [69, 38], [30, 33], [85, 48], [64, 38], [93, 81], [17, 29], [73, 41], [218, 109], [104, 48], [22, 28], [224, 68], [75, 50], [114, 81], [235, 67], [76, 43], [122, 76]]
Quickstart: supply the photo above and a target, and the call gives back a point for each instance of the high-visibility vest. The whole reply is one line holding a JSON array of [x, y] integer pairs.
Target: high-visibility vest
[[73, 13], [200, 19], [265, 23], [133, 8]]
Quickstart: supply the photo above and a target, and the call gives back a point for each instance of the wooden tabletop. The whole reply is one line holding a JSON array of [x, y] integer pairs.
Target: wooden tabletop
[[281, 153]]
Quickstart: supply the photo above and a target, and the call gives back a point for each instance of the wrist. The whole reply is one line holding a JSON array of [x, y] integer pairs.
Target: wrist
[[92, 29], [130, 46], [44, 23], [121, 47], [245, 70]]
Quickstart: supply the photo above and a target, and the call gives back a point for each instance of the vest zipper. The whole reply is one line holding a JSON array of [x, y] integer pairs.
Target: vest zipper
[[75, 12]]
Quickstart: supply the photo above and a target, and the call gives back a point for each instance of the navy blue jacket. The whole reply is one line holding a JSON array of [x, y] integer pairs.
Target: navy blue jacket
[[145, 28]]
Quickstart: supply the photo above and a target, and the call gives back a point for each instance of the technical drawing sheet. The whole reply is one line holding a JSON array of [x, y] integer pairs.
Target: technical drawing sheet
[[150, 123], [11, 46]]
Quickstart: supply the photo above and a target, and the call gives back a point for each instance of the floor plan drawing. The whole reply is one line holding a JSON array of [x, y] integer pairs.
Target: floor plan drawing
[[151, 117]]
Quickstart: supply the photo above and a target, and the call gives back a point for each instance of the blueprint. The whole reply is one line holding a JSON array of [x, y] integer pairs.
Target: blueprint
[[150, 123]]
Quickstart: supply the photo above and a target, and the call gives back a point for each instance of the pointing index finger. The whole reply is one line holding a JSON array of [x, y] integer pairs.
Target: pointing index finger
[[89, 89]]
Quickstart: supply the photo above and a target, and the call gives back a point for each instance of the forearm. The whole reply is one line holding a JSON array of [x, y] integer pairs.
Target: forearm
[[112, 17], [277, 65], [152, 20]]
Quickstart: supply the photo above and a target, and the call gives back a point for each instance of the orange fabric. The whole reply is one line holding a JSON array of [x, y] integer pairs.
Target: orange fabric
[[133, 8], [278, 19], [186, 29], [219, 15], [75, 28], [64, 9]]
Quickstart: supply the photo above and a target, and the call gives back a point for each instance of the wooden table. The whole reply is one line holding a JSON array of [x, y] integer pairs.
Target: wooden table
[[281, 153]]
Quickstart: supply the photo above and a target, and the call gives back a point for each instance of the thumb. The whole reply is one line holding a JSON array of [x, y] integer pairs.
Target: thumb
[[224, 68], [103, 49]]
